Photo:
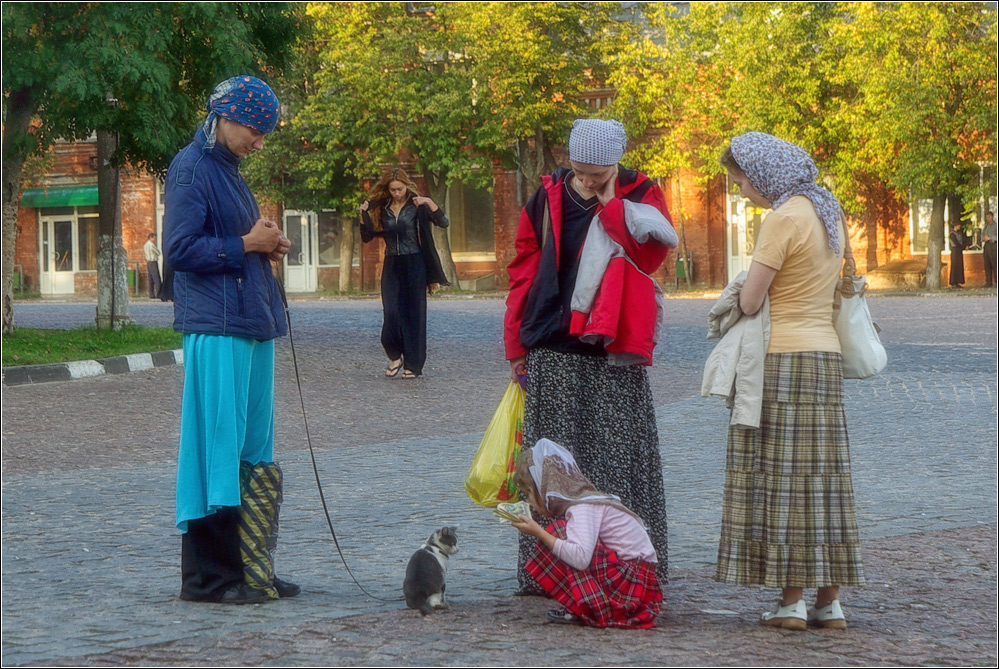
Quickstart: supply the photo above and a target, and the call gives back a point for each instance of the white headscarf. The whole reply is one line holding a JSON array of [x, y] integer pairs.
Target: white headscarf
[[779, 170], [597, 142]]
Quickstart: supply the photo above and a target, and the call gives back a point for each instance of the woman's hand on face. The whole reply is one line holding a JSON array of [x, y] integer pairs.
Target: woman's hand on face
[[606, 193], [421, 200], [363, 207]]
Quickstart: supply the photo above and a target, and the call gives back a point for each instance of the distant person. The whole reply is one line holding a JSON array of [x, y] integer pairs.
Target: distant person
[[228, 305], [397, 213], [788, 517], [989, 238], [957, 245], [152, 253]]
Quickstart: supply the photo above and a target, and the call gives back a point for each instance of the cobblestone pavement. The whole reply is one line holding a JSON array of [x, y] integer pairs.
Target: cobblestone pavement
[[91, 563]]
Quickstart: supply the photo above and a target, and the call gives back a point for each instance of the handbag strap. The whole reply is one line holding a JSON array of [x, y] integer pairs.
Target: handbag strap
[[846, 285]]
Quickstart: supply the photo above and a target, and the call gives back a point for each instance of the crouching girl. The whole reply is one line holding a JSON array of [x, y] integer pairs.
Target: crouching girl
[[596, 559]]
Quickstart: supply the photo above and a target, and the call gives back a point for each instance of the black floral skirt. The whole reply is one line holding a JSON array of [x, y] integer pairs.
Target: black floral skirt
[[604, 416]]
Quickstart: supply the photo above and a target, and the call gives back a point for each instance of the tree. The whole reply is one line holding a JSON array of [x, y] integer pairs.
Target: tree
[[923, 113], [531, 63], [64, 62], [896, 97]]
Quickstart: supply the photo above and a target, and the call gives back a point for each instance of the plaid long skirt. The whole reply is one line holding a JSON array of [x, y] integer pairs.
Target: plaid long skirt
[[604, 416], [788, 518], [611, 592]]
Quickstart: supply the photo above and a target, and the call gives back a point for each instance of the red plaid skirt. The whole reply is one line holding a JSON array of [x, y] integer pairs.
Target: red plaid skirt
[[611, 592]]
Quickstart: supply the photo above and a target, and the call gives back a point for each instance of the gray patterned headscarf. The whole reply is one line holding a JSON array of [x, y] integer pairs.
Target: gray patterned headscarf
[[596, 142], [779, 170]]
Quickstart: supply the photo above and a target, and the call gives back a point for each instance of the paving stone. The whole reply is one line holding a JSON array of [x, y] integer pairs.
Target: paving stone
[[91, 559]]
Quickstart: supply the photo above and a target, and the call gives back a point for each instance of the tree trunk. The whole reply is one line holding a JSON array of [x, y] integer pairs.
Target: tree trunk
[[534, 161], [935, 243], [438, 193], [112, 268], [346, 253], [20, 108]]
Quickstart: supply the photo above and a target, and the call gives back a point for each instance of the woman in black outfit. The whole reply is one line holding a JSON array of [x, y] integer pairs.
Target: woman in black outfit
[[402, 218]]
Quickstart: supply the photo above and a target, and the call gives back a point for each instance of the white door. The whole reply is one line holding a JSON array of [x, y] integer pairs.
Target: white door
[[300, 275], [744, 221], [57, 255]]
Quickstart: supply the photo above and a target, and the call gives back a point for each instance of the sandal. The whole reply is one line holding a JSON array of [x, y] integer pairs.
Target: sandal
[[830, 616], [392, 370], [408, 375], [790, 617]]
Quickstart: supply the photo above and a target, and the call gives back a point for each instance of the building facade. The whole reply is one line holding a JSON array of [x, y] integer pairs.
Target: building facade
[[58, 222]]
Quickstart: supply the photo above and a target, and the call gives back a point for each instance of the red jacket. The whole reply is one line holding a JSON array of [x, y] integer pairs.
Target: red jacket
[[525, 265], [615, 303]]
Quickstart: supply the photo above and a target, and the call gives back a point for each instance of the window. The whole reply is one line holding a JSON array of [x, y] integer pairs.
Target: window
[[470, 211], [920, 212], [330, 232], [69, 238]]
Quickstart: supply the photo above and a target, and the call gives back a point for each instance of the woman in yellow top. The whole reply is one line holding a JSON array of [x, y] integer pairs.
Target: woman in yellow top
[[788, 518]]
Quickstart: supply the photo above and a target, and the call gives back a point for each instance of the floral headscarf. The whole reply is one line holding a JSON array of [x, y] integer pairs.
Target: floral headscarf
[[779, 170], [245, 100], [561, 483]]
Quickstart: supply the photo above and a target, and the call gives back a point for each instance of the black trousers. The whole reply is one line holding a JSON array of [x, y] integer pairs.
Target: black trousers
[[404, 304], [210, 562], [989, 253], [154, 278]]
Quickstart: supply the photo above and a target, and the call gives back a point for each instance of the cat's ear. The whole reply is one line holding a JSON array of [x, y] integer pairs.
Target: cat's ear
[[453, 529]]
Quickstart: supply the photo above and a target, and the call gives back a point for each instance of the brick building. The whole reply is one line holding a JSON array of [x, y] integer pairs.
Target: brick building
[[57, 233]]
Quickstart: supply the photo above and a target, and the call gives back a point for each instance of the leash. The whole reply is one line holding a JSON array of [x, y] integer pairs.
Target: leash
[[312, 453]]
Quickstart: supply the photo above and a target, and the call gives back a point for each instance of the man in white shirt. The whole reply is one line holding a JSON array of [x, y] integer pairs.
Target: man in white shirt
[[152, 253]]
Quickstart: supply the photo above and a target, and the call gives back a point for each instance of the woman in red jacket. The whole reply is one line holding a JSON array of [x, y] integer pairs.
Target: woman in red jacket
[[602, 413]]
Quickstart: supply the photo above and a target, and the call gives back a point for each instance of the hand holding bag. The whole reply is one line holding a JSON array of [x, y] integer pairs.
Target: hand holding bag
[[863, 354], [490, 478]]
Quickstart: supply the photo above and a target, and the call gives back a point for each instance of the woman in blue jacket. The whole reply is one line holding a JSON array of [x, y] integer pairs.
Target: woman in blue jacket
[[227, 304]]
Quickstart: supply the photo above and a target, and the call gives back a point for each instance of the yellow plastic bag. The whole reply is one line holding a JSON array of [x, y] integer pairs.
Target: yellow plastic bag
[[490, 479]]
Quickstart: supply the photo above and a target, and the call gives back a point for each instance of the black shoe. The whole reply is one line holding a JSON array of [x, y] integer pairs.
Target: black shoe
[[286, 589], [562, 616], [241, 593]]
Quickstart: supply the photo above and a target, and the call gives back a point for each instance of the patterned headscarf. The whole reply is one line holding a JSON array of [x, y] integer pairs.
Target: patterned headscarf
[[560, 482], [779, 170], [597, 142], [245, 100]]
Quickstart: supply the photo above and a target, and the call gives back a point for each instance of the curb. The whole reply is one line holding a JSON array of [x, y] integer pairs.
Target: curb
[[81, 369]]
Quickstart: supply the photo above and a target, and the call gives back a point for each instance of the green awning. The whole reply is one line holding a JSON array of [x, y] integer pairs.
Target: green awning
[[68, 196]]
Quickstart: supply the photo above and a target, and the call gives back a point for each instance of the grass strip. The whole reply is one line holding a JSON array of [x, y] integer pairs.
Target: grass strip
[[28, 346]]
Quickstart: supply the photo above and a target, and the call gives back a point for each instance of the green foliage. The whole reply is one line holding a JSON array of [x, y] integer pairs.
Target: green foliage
[[455, 89], [29, 346], [921, 79], [899, 93], [141, 69]]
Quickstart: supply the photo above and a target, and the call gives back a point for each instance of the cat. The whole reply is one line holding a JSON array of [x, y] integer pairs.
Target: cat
[[425, 575]]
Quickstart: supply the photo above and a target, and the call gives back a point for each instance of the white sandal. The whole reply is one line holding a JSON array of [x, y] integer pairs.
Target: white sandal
[[791, 617], [829, 616]]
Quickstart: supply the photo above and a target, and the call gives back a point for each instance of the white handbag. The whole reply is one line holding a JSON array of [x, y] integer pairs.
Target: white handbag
[[863, 354]]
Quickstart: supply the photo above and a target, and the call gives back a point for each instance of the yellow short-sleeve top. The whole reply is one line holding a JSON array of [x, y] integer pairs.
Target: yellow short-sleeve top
[[794, 242]]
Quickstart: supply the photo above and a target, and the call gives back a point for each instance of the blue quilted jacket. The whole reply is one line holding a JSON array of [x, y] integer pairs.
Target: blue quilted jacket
[[218, 289]]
